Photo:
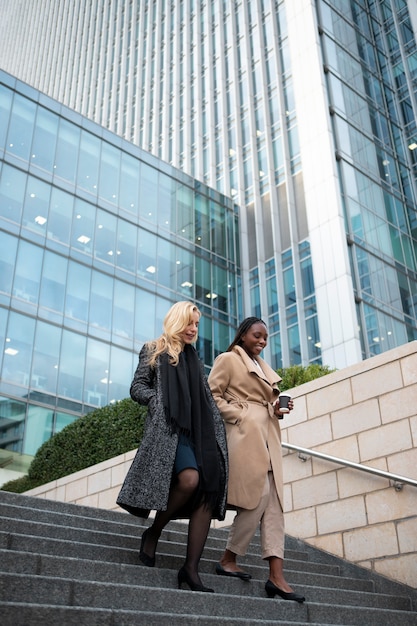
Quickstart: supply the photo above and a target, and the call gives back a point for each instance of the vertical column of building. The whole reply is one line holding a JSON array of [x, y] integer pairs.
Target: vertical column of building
[[336, 310]]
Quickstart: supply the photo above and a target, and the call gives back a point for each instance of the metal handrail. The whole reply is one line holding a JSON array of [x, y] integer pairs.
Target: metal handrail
[[399, 481]]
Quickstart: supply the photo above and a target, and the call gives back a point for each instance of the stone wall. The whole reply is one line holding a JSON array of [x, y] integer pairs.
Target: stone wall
[[367, 414]]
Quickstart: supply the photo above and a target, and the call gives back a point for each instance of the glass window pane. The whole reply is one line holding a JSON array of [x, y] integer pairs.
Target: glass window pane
[[72, 365], [105, 239], [166, 202], [123, 309], [54, 277], [202, 225], [12, 193], [101, 300], [88, 162], [185, 212], [38, 428], [148, 193], [12, 419], [35, 212], [67, 151], [82, 231], [123, 364], [78, 292], [60, 216], [27, 272], [146, 255], [96, 373], [44, 140], [21, 124], [129, 184], [144, 317], [6, 96], [126, 246], [18, 352], [109, 173], [46, 357], [8, 248], [62, 420]]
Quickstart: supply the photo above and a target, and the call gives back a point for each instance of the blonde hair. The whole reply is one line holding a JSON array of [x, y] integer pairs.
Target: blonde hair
[[175, 322]]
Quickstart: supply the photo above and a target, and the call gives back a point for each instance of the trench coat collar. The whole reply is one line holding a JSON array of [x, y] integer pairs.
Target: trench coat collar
[[267, 372]]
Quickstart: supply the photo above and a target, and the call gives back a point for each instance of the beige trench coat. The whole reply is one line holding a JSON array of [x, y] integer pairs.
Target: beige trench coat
[[244, 395]]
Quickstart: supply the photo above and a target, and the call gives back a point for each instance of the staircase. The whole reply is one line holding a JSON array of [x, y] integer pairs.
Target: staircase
[[68, 565]]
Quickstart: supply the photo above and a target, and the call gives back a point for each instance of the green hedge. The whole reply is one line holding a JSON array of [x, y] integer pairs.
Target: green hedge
[[110, 431], [298, 374], [95, 437]]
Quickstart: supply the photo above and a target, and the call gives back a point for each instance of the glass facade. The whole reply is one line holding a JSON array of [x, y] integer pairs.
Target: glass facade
[[316, 143], [97, 240], [371, 75]]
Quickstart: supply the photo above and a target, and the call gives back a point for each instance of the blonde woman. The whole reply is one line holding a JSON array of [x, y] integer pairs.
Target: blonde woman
[[181, 467]]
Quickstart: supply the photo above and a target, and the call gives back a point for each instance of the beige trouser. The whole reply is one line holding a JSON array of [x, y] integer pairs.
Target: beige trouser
[[269, 513]]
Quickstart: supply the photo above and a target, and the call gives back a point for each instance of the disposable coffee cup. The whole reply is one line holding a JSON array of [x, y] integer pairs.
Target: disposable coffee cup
[[284, 398]]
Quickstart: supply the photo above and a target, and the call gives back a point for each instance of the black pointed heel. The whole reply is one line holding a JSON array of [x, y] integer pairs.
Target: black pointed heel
[[183, 577], [272, 590], [147, 560]]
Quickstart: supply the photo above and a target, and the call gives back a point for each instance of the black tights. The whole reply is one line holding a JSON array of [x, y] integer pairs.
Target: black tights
[[198, 527]]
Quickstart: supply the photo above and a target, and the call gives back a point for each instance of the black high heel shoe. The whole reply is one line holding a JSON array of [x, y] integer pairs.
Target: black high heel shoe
[[147, 560], [183, 577], [272, 590]]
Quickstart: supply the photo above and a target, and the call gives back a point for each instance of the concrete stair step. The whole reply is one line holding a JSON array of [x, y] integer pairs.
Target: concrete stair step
[[67, 564], [67, 592], [40, 615], [100, 571]]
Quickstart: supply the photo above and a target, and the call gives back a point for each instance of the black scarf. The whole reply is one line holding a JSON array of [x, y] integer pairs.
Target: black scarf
[[188, 411]]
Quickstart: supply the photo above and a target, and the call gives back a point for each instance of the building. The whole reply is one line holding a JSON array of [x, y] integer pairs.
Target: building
[[303, 112], [98, 238]]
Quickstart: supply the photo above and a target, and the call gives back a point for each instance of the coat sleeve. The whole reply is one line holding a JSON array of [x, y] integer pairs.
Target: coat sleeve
[[142, 389], [229, 404]]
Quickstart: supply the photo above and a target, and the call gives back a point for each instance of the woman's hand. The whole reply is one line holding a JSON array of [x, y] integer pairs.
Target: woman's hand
[[277, 411]]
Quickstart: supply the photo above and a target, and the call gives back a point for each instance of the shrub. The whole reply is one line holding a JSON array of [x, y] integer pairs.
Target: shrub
[[95, 437], [298, 374]]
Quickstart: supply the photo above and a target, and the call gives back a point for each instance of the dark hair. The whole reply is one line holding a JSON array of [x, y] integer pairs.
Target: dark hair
[[243, 329]]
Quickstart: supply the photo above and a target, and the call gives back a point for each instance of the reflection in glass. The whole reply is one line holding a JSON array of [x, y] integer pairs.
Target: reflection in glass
[[62, 420]]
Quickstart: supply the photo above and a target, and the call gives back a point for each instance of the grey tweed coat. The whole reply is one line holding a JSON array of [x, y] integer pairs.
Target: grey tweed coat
[[148, 480]]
